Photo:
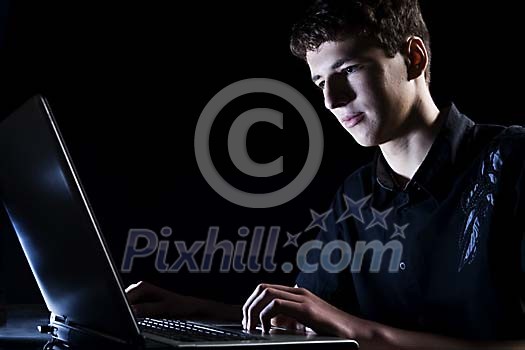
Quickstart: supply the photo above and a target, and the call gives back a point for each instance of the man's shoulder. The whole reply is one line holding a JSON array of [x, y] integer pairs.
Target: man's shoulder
[[512, 133], [486, 137], [507, 138], [489, 132]]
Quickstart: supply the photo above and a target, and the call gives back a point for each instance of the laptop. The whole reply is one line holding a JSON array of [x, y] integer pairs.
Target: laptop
[[69, 258]]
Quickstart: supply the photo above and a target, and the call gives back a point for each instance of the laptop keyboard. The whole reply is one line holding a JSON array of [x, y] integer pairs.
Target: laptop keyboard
[[188, 331]]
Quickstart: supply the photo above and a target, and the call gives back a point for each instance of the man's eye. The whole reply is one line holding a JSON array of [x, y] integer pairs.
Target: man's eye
[[350, 69]]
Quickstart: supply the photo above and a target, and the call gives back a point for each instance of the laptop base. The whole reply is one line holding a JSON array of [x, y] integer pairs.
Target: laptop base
[[75, 336]]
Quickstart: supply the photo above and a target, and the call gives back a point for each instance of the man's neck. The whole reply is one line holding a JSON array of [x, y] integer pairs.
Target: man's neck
[[405, 153]]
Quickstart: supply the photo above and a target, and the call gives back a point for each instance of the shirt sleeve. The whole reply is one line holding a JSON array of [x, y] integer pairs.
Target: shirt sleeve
[[335, 288]]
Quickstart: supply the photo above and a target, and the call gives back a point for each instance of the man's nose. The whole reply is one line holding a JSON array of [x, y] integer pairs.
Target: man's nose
[[337, 93]]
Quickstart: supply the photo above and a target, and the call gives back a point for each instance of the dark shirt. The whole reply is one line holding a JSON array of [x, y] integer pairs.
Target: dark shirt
[[459, 221]]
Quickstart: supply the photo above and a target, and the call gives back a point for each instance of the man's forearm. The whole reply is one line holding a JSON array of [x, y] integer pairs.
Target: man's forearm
[[381, 336]]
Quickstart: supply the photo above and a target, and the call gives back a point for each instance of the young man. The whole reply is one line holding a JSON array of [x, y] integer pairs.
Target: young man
[[453, 190]]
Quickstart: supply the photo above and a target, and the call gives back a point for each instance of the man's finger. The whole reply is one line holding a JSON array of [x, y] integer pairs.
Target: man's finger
[[287, 322], [263, 300], [248, 302], [132, 286], [260, 288], [280, 307], [136, 292]]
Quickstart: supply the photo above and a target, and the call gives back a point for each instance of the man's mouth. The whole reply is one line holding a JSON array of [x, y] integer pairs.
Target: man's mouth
[[352, 120]]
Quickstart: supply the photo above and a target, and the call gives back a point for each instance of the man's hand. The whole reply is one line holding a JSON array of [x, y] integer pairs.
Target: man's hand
[[148, 300], [299, 308]]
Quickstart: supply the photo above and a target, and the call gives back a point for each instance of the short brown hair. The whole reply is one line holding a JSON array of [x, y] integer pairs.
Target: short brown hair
[[387, 22]]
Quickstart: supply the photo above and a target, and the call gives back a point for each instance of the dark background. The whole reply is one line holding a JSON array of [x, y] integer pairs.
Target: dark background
[[127, 83]]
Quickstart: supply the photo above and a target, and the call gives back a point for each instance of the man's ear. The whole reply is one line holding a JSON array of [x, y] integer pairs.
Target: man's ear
[[416, 57]]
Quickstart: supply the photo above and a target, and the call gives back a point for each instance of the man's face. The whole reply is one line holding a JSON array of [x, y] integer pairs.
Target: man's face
[[367, 91]]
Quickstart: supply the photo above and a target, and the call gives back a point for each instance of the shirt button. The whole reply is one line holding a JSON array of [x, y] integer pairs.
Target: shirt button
[[402, 265]]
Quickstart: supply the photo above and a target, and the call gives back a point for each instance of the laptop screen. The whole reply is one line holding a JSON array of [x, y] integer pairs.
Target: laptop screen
[[55, 225]]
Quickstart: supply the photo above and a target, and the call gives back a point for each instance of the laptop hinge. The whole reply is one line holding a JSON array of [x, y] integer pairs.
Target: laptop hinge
[[74, 335]]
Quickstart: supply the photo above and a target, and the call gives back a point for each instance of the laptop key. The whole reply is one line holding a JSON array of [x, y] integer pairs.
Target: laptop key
[[188, 331]]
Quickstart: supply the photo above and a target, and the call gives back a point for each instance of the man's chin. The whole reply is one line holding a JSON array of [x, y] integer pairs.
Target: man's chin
[[365, 142]]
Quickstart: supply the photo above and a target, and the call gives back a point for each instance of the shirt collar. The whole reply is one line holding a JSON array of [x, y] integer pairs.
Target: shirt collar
[[437, 165]]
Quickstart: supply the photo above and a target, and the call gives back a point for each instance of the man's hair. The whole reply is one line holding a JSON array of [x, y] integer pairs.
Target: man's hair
[[388, 23]]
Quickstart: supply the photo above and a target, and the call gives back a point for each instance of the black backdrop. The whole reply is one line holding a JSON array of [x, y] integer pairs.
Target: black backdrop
[[127, 83]]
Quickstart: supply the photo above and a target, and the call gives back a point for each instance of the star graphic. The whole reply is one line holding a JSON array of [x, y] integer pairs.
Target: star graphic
[[400, 231], [353, 208], [318, 220], [292, 239], [379, 218]]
